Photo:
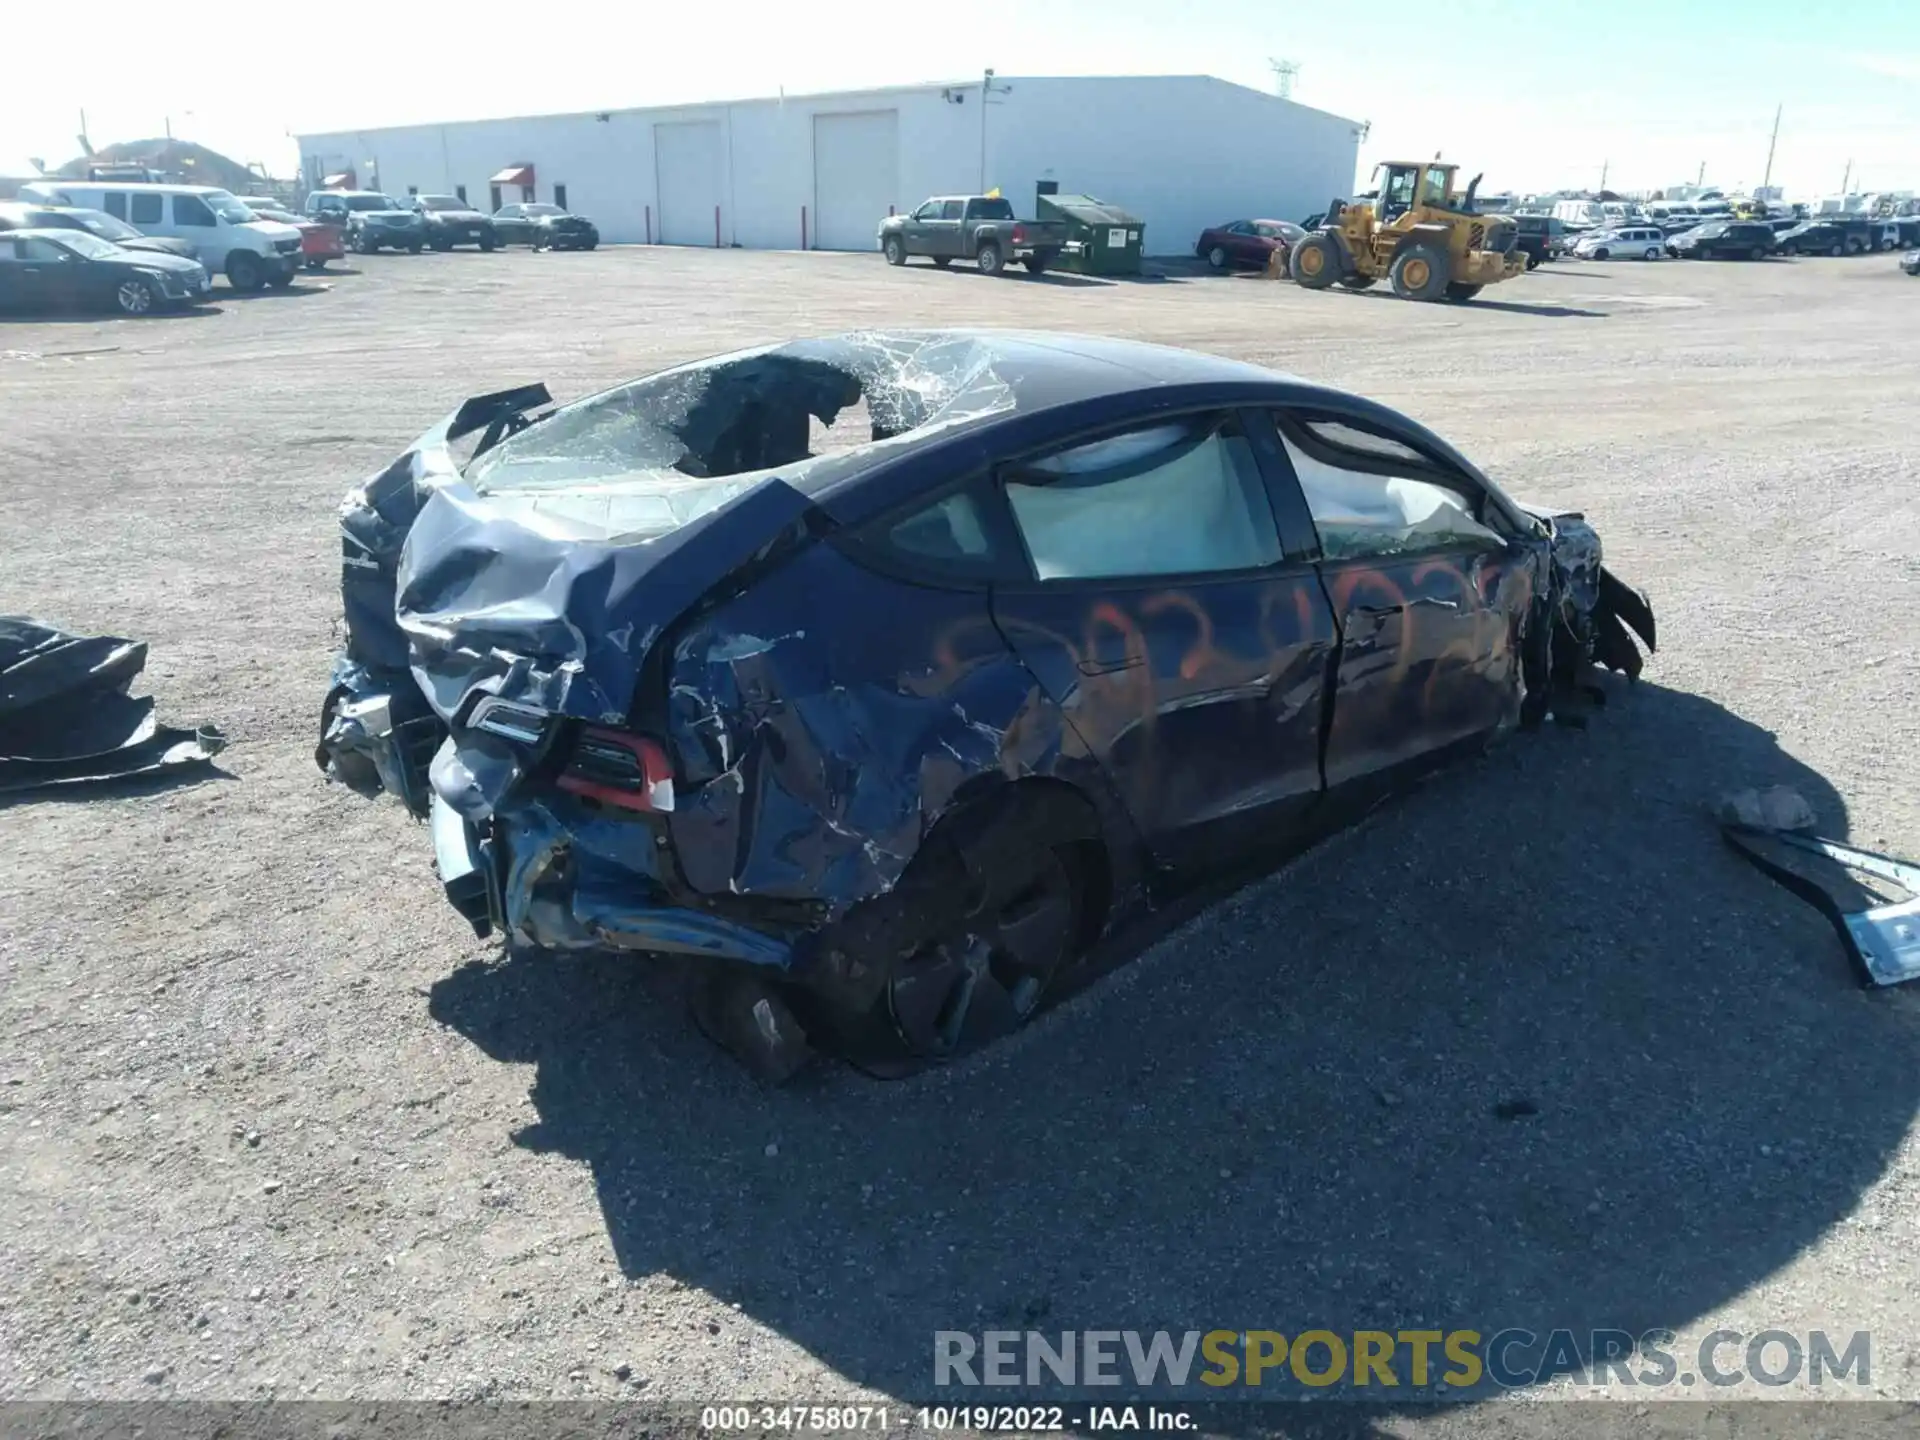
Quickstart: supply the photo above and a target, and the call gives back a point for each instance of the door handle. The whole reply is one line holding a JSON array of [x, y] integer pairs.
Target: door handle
[[1374, 612]]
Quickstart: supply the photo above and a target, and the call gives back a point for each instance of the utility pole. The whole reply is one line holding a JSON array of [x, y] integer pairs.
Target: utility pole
[[1845, 178], [1701, 182], [1767, 179], [1603, 173], [1283, 74]]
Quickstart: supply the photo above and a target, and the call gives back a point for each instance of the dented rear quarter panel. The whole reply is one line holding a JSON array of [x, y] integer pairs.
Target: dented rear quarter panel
[[834, 714]]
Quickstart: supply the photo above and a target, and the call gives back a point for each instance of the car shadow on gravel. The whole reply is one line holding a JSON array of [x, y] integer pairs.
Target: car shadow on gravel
[[1062, 278], [1533, 1048], [1515, 307], [270, 293]]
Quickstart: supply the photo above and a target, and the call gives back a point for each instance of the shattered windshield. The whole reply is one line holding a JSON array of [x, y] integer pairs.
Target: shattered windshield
[[695, 436]]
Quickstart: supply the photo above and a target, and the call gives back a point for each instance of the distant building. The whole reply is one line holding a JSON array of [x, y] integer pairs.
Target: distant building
[[822, 171]]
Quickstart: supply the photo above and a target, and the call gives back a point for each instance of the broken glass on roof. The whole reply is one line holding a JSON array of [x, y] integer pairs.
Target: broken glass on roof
[[654, 454]]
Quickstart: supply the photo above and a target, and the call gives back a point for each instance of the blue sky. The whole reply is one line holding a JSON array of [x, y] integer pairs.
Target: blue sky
[[1536, 93]]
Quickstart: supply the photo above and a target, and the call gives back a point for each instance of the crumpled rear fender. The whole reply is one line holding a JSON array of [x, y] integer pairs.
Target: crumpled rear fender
[[447, 600], [824, 721]]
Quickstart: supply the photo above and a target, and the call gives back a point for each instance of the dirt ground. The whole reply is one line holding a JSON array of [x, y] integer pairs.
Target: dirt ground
[[1531, 1048]]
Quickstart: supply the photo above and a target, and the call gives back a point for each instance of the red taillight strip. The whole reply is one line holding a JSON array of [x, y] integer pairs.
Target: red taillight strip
[[655, 789]]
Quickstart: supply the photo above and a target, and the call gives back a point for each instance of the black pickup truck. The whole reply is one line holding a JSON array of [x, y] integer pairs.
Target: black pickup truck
[[980, 228]]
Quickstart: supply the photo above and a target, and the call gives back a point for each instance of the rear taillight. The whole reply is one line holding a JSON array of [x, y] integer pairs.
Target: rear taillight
[[617, 768], [1019, 234]]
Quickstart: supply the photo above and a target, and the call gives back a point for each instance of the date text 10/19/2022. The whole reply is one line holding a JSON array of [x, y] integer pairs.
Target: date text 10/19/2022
[[1017, 1419]]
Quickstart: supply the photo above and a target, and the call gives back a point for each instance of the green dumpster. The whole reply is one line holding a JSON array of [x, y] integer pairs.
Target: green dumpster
[[1102, 239]]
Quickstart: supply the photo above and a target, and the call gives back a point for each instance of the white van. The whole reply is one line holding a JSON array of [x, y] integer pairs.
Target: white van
[[226, 237]]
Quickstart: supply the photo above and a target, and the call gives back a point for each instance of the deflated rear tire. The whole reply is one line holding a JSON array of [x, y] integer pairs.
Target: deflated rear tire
[[986, 926], [988, 975]]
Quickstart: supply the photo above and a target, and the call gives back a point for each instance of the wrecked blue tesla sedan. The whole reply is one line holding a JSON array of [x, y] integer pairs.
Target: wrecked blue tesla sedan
[[879, 676]]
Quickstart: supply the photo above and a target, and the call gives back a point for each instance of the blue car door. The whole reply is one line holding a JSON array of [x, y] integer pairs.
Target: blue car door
[[1183, 638], [1429, 591]]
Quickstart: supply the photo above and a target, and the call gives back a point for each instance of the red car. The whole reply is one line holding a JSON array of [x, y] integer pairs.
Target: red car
[[1246, 242], [319, 240]]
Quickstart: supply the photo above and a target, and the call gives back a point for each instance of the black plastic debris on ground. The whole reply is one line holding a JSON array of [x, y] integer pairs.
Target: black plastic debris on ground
[[66, 718]]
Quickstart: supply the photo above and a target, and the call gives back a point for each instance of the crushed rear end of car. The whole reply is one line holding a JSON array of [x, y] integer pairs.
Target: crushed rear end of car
[[556, 656]]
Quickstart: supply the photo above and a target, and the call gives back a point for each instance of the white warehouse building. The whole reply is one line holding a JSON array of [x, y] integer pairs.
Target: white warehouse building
[[1182, 152]]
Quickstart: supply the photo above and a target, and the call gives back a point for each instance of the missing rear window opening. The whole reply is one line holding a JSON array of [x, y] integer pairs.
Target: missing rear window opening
[[755, 411]]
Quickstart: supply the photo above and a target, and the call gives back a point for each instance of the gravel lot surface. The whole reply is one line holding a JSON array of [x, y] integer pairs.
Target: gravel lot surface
[[273, 1122]]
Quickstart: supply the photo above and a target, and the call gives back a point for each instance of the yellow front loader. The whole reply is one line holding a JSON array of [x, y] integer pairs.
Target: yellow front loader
[[1418, 235]]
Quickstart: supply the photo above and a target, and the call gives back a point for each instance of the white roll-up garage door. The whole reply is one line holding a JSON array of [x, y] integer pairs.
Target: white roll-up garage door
[[856, 169], [687, 172]]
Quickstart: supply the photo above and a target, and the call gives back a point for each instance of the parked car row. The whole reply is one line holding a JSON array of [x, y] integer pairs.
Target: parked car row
[[217, 230], [138, 247], [1731, 239], [1848, 235], [373, 221], [1254, 243]]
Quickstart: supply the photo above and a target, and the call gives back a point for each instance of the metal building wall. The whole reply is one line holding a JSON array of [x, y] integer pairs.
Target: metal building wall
[[1183, 152]]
